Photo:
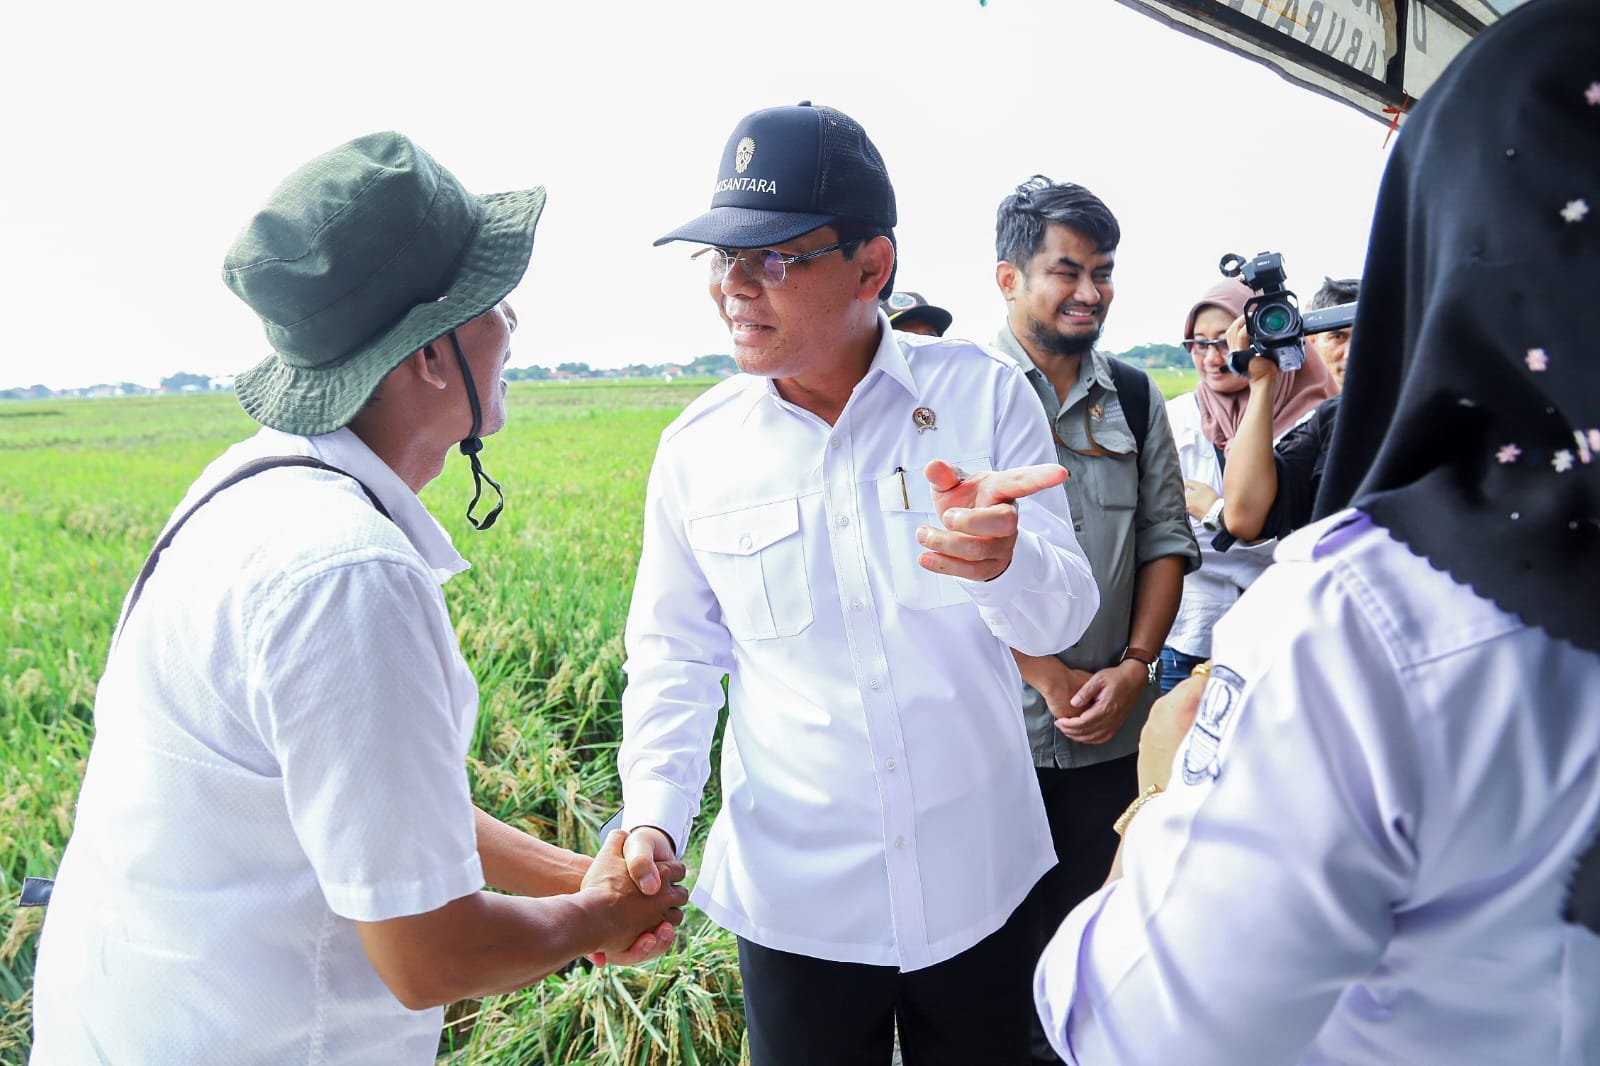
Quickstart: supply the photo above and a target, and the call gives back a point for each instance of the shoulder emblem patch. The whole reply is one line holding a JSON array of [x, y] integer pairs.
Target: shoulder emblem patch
[[1224, 688]]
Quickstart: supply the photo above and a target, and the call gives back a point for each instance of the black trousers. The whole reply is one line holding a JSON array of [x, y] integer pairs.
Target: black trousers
[[972, 1010], [1081, 804]]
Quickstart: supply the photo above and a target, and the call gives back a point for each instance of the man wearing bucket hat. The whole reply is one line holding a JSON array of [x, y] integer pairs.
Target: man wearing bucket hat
[[869, 545], [275, 856], [909, 313]]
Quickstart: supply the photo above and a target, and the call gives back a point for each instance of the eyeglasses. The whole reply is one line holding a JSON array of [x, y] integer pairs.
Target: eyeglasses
[[763, 266], [1200, 344]]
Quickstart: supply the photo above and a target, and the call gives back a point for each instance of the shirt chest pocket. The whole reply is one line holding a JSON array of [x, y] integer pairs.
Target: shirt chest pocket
[[755, 562], [905, 500], [1101, 484]]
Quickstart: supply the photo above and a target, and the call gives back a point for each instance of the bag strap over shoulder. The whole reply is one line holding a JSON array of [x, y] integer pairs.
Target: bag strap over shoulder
[[248, 470], [1133, 392]]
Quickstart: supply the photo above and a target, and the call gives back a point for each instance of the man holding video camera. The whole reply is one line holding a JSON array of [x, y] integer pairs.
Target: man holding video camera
[[1269, 489]]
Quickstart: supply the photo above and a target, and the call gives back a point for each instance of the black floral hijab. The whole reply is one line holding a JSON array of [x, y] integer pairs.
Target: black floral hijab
[[1470, 426]]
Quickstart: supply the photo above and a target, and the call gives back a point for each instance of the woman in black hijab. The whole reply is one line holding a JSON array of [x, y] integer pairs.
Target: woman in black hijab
[[1377, 842]]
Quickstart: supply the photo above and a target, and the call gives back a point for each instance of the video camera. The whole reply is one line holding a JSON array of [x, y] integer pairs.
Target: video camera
[[1272, 316]]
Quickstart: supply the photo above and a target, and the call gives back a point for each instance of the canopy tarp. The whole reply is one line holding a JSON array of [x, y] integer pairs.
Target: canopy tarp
[[1376, 55]]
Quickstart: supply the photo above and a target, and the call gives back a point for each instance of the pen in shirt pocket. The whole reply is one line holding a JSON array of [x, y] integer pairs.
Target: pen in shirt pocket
[[905, 497]]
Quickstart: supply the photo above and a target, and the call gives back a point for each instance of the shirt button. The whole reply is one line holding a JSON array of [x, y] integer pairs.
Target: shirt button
[[842, 521], [874, 684], [888, 764], [856, 605], [835, 442], [899, 842], [745, 541]]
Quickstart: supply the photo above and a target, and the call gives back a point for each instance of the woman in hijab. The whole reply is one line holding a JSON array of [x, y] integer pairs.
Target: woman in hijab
[[1377, 842], [1204, 424]]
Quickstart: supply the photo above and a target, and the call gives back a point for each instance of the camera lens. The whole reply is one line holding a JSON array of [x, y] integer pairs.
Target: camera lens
[[1275, 319]]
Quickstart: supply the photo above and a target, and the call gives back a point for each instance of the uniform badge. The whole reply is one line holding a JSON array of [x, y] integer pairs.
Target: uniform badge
[[1097, 413], [1201, 761], [924, 418]]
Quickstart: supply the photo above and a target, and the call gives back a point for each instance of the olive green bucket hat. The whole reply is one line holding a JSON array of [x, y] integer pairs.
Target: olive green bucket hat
[[361, 257]]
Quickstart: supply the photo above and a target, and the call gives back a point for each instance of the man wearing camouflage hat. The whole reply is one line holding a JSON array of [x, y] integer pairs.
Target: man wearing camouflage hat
[[276, 857]]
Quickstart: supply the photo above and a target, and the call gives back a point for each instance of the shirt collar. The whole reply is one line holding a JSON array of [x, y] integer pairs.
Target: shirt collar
[[888, 360], [343, 449], [1099, 368]]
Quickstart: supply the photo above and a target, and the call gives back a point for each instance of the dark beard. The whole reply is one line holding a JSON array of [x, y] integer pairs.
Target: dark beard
[[1050, 341]]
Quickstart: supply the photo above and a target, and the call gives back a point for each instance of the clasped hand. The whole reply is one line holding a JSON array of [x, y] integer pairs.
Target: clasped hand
[[979, 516], [632, 906], [1091, 707]]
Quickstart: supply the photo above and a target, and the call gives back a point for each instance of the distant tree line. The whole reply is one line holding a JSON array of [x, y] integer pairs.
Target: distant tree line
[[1146, 355], [1154, 355], [703, 366]]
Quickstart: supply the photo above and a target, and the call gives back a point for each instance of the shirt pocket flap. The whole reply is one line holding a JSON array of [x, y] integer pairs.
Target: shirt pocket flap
[[747, 530]]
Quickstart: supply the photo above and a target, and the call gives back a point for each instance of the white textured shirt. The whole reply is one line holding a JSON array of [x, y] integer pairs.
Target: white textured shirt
[[1210, 591], [279, 752], [1365, 849], [879, 801]]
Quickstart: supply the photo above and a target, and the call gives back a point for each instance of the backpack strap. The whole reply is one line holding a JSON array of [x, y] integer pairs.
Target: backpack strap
[[248, 470], [1133, 392]]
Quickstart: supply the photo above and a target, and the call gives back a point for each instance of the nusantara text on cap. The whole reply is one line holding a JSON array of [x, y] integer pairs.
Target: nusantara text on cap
[[747, 185]]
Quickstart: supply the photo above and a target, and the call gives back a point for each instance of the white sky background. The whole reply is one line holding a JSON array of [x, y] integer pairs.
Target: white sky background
[[141, 137]]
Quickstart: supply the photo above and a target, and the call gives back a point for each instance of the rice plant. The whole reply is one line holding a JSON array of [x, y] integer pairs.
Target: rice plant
[[84, 490], [85, 487]]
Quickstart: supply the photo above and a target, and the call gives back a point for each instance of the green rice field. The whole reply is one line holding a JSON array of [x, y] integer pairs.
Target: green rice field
[[85, 487]]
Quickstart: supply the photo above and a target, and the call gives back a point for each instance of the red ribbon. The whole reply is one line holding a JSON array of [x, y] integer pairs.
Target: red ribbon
[[1405, 102]]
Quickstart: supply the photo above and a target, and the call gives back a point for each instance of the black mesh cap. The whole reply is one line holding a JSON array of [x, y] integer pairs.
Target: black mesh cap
[[787, 171], [907, 306]]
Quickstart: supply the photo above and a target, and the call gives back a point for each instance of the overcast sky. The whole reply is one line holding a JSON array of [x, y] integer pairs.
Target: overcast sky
[[141, 137]]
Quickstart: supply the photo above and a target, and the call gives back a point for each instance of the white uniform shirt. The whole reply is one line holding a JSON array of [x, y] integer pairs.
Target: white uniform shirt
[[1365, 849], [1209, 591], [879, 802], [280, 743]]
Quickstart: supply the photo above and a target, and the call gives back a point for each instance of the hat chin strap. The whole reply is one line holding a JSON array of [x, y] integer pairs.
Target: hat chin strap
[[473, 444]]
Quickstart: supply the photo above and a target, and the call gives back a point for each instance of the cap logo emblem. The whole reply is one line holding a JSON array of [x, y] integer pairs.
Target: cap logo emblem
[[743, 154], [900, 301]]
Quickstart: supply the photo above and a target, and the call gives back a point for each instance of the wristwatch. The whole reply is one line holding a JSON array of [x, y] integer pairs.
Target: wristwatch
[[1139, 655], [1213, 519]]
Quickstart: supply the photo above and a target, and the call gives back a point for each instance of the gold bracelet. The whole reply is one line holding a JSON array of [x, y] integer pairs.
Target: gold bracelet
[[1150, 792]]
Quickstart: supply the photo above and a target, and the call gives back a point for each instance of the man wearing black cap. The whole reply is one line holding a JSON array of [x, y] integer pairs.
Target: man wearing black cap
[[836, 531], [275, 856], [909, 313]]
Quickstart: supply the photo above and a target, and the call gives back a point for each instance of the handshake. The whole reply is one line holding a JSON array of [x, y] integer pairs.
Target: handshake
[[633, 885]]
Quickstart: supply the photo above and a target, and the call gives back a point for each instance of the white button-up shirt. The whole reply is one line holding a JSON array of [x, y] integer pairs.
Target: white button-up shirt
[[879, 802], [1365, 849], [1210, 591], [279, 752]]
